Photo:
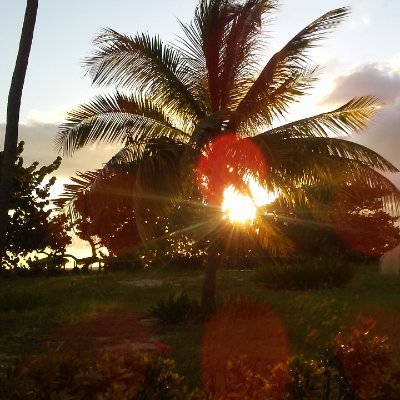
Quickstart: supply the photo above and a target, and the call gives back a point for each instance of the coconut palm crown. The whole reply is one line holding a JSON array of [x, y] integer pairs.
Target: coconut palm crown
[[172, 104]]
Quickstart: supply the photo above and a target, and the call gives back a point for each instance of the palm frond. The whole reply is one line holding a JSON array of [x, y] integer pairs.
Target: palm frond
[[373, 180], [272, 105], [156, 166], [291, 61], [212, 17], [350, 118], [144, 177], [147, 65], [115, 118], [71, 201], [307, 185], [221, 46], [294, 164], [295, 149], [272, 240], [241, 50]]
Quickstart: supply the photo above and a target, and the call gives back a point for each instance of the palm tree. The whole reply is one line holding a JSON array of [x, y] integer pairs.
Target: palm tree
[[200, 116], [13, 109]]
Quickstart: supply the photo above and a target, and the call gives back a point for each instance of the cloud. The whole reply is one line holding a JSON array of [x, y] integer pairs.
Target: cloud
[[54, 116], [39, 146], [382, 80], [369, 79], [383, 136], [360, 22]]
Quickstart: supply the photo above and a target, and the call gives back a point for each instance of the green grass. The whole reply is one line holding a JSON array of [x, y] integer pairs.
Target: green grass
[[31, 307]]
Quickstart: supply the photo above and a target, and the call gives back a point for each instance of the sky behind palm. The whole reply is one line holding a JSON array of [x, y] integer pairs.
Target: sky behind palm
[[360, 58]]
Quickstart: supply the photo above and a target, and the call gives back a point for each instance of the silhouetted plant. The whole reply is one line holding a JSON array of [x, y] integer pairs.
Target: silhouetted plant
[[311, 274], [32, 227], [177, 308]]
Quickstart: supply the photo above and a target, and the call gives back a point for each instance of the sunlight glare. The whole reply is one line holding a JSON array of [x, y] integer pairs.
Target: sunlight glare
[[240, 208]]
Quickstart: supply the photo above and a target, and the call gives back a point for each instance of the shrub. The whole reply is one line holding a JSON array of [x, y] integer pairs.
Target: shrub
[[364, 362], [120, 375], [358, 367], [176, 309], [313, 274]]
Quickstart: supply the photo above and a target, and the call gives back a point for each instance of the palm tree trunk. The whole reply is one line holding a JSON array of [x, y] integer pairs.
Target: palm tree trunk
[[209, 292], [13, 110]]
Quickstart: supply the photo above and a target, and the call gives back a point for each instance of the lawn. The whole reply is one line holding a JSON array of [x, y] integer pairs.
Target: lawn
[[32, 309]]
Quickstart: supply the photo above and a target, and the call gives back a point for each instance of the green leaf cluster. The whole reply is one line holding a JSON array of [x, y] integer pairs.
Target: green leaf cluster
[[32, 226], [121, 375], [357, 366]]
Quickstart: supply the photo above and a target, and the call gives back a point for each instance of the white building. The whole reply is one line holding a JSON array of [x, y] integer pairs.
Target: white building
[[390, 261]]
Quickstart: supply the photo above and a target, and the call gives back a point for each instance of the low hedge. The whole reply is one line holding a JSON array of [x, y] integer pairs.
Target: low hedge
[[303, 275]]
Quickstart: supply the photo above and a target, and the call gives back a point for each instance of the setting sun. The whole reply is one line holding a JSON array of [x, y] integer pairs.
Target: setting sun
[[240, 208]]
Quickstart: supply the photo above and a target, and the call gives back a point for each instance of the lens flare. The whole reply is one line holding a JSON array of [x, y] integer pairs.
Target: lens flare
[[241, 330], [236, 207], [242, 208]]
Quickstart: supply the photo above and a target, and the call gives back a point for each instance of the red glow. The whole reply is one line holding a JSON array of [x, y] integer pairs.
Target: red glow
[[162, 347], [225, 161], [245, 330]]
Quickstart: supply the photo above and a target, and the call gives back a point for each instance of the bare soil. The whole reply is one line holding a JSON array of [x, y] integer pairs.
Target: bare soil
[[109, 330]]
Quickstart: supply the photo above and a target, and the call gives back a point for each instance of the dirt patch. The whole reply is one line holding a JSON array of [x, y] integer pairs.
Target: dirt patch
[[109, 330]]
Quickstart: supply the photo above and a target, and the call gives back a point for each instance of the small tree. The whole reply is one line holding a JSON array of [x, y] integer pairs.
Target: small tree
[[363, 223], [355, 224], [104, 217], [31, 226], [13, 109], [199, 117]]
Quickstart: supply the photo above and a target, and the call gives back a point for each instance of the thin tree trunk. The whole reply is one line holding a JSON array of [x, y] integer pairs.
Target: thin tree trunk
[[209, 292], [92, 247], [13, 110]]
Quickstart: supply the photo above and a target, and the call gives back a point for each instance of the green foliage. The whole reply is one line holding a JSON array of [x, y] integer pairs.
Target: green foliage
[[358, 367], [297, 378], [119, 375], [177, 309], [364, 362], [366, 228], [351, 224], [312, 274], [31, 226]]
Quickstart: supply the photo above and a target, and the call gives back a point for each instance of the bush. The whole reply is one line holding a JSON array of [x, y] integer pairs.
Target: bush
[[364, 362], [176, 309], [358, 367], [297, 378], [314, 274], [120, 375]]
